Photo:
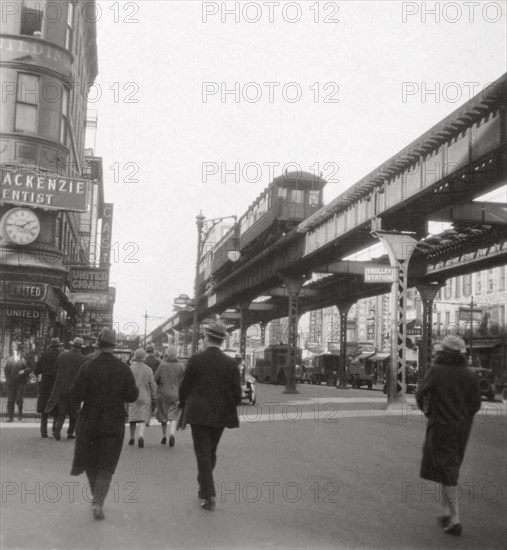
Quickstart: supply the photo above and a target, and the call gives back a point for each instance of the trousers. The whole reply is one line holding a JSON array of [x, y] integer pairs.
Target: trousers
[[60, 419], [206, 440], [15, 393]]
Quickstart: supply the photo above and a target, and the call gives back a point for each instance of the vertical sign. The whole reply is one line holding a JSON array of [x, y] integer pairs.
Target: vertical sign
[[105, 236]]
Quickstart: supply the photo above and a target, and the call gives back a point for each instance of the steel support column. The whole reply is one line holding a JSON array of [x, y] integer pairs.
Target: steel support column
[[343, 309], [293, 285], [427, 291], [243, 327], [399, 248]]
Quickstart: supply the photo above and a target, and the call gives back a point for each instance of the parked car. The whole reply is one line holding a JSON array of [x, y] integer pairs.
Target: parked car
[[360, 371], [486, 382]]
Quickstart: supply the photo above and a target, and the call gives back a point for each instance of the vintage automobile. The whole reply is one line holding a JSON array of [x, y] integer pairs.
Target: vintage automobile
[[360, 371]]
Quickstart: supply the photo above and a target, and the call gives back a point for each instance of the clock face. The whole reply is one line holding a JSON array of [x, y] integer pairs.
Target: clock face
[[21, 226]]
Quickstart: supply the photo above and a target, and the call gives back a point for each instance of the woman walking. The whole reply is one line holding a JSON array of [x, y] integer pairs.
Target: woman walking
[[168, 377], [449, 396], [140, 411]]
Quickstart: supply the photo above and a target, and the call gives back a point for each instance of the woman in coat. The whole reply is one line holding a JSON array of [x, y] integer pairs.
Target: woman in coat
[[449, 396], [140, 411], [168, 377]]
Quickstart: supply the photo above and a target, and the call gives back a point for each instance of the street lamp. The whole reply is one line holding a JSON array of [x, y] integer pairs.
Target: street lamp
[[204, 228]]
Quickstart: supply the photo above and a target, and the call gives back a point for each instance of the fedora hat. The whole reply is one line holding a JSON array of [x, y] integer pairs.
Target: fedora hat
[[452, 343], [77, 342], [215, 330], [107, 336], [55, 343]]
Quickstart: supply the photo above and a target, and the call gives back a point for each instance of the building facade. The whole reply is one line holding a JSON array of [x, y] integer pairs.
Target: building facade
[[48, 63]]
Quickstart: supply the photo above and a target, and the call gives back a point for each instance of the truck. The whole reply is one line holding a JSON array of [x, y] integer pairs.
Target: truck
[[270, 363], [324, 368]]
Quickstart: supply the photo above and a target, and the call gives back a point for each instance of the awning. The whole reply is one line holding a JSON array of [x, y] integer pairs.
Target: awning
[[380, 356]]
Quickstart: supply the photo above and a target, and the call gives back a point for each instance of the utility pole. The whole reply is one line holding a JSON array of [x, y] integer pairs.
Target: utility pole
[[145, 322]]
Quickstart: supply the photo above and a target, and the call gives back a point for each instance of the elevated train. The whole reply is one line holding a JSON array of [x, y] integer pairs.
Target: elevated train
[[287, 201]]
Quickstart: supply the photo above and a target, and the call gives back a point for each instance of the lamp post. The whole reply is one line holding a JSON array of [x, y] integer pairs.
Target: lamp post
[[204, 228]]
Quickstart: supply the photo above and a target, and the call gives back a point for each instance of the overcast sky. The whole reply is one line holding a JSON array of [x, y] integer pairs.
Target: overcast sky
[[336, 87]]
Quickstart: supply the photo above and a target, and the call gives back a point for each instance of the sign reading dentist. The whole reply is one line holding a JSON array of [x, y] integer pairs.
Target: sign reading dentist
[[55, 192]]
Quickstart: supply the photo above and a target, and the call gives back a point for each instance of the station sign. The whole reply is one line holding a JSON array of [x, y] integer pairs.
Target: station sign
[[379, 274]]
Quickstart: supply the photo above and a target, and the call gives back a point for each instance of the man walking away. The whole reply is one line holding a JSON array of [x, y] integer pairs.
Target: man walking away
[[60, 404], [103, 385], [209, 394], [46, 369], [17, 371], [152, 362]]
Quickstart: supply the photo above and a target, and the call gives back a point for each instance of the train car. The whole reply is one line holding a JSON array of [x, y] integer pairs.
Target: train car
[[288, 200], [269, 361]]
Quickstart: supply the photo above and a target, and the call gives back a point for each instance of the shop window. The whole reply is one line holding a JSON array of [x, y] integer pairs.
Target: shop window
[[31, 18], [27, 103], [70, 27]]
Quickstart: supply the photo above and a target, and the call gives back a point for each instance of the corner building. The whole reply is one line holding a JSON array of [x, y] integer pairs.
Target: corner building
[[48, 63]]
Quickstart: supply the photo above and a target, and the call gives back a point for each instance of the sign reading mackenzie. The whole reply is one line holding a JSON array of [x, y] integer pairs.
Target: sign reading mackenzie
[[48, 191], [89, 278]]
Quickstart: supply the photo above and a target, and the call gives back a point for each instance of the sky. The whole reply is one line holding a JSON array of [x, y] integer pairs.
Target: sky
[[200, 106]]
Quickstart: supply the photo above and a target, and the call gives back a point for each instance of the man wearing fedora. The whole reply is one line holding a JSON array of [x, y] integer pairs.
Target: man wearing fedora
[[17, 372], [59, 403], [209, 395], [103, 386], [46, 369]]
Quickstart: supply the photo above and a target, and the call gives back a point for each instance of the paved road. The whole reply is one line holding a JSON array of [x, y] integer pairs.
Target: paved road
[[325, 468]]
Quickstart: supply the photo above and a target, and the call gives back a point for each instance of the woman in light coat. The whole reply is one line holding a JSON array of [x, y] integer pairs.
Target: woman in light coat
[[168, 377], [140, 411]]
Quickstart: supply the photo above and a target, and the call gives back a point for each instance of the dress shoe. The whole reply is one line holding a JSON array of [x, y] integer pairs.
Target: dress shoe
[[171, 441], [443, 521], [140, 442], [454, 529], [131, 441], [44, 436], [164, 441], [70, 436], [57, 437], [98, 513], [208, 503]]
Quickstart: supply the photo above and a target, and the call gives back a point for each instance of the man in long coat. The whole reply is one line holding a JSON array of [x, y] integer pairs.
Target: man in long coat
[[17, 372], [209, 395], [59, 403], [46, 369], [103, 384]]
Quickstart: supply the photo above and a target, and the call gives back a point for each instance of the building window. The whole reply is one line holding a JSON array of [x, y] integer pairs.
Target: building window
[[447, 318], [501, 278], [457, 287], [27, 103], [282, 192], [478, 284], [448, 290], [467, 285], [64, 120], [31, 18], [70, 27]]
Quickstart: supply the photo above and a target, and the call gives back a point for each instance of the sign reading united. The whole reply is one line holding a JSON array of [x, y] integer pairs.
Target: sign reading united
[[93, 279], [30, 188]]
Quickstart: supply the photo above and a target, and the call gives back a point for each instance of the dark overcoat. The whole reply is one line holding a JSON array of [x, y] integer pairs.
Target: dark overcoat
[[450, 396], [46, 368], [103, 385], [67, 366], [210, 390]]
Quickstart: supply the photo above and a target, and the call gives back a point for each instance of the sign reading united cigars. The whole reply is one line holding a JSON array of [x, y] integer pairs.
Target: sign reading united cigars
[[91, 279], [55, 192]]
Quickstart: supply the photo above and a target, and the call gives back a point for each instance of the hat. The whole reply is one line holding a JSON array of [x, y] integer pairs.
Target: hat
[[77, 342], [139, 355], [452, 343], [215, 330], [107, 336], [55, 343], [150, 347]]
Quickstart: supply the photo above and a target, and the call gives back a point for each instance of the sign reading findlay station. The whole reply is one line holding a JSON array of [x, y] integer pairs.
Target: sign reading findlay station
[[29, 188], [379, 274]]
